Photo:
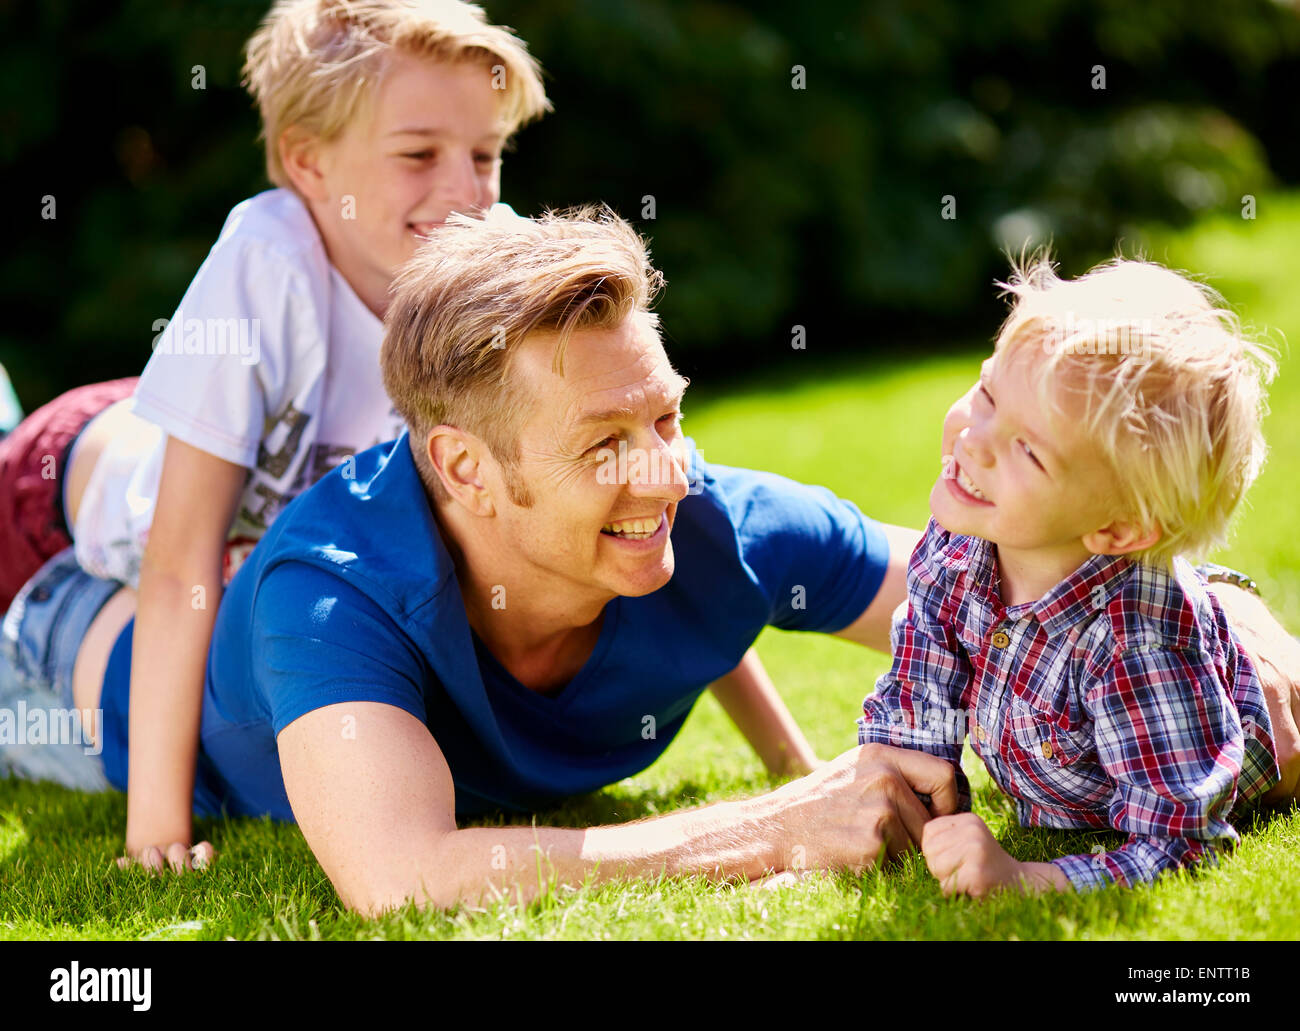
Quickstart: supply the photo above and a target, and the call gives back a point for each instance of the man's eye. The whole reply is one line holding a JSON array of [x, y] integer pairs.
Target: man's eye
[[607, 442], [419, 155], [487, 159]]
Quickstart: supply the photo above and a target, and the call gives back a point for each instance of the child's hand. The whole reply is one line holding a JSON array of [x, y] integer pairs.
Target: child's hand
[[176, 856], [966, 859]]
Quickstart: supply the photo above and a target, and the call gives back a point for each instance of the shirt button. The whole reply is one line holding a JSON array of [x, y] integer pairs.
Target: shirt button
[[1000, 639], [1047, 749]]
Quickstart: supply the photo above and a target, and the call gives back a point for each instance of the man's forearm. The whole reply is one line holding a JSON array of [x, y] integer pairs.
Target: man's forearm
[[723, 841], [749, 697], [1276, 657]]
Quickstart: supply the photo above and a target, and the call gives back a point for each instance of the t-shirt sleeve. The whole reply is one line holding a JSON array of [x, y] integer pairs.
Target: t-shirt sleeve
[[816, 557], [320, 640], [249, 332]]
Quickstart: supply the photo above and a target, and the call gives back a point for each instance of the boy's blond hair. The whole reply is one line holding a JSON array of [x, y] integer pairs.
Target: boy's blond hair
[[1172, 392], [462, 305], [314, 63]]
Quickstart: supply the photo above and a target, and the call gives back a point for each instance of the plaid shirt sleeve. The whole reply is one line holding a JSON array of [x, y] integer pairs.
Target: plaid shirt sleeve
[[916, 704], [1169, 737]]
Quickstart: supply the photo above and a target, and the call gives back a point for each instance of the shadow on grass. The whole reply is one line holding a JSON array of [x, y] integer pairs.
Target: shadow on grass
[[58, 873], [58, 879]]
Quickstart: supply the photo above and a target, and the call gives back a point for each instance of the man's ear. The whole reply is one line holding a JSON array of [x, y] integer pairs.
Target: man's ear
[[302, 155], [457, 458], [1120, 538]]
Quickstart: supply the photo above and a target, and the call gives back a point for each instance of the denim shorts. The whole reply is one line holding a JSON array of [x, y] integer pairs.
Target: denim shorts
[[41, 733]]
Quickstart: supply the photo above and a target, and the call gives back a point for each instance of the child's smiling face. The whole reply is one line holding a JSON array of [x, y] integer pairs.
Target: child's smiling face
[[428, 144], [1020, 476]]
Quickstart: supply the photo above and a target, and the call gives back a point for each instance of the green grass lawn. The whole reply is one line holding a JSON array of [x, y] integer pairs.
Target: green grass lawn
[[870, 432]]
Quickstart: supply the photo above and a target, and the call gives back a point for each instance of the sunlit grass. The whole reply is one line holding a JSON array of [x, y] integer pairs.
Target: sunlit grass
[[870, 432]]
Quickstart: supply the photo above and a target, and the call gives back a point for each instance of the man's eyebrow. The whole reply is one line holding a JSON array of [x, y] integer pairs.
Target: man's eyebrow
[[618, 412]]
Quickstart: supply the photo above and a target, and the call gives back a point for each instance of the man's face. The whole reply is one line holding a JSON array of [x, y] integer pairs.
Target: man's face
[[1018, 475], [429, 144], [603, 459]]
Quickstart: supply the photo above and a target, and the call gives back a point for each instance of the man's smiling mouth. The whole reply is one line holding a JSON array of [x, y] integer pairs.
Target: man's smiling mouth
[[634, 529]]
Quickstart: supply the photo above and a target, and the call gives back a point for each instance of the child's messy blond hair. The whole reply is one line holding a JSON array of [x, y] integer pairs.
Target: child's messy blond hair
[[313, 63], [1172, 392]]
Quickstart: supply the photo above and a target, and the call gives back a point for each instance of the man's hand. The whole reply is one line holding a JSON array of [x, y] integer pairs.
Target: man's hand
[[1276, 656], [177, 857], [861, 807], [966, 859]]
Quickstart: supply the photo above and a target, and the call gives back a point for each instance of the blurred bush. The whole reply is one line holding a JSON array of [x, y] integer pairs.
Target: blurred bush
[[774, 205]]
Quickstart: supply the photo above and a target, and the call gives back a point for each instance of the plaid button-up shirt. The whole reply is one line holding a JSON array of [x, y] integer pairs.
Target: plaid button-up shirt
[[1121, 699]]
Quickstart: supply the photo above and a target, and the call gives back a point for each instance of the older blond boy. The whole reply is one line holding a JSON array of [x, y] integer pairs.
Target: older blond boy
[[1052, 613], [381, 118]]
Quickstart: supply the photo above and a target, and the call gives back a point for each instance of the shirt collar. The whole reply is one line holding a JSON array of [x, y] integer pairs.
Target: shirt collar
[[1084, 592], [1060, 608]]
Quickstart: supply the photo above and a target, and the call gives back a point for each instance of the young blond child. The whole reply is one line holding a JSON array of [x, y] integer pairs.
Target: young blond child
[[1052, 613]]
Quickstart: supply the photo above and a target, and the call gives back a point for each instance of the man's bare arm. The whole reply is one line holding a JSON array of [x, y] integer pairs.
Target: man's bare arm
[[1276, 655], [749, 697], [872, 627], [378, 811]]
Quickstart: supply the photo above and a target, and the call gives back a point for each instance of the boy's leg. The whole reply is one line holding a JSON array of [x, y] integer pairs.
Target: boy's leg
[[33, 461], [40, 638]]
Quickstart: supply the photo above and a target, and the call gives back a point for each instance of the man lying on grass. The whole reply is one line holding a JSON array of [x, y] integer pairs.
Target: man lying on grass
[[1051, 611], [521, 599]]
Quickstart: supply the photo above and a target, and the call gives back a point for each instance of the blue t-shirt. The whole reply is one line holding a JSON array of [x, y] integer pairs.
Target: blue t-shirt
[[352, 596]]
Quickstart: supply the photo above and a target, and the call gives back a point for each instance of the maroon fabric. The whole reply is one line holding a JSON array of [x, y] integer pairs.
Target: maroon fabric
[[30, 485]]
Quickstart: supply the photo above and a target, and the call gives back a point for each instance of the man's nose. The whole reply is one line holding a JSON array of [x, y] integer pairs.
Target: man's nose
[[657, 472]]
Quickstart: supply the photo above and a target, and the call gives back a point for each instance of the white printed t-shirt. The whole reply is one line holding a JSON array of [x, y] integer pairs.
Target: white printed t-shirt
[[271, 362]]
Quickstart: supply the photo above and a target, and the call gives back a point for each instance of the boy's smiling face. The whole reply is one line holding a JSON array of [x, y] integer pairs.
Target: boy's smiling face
[[427, 143], [1025, 478]]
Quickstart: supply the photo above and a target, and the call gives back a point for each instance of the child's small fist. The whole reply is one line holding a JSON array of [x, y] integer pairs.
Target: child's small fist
[[965, 858]]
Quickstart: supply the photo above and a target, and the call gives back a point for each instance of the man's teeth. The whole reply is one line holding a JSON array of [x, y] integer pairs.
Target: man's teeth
[[968, 486], [634, 529]]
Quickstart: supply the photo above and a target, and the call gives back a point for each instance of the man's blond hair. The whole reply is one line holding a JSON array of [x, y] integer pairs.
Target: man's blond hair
[[314, 63], [475, 290], [1173, 393]]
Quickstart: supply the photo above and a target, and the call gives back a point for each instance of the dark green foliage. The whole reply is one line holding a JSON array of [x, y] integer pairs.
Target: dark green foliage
[[775, 206]]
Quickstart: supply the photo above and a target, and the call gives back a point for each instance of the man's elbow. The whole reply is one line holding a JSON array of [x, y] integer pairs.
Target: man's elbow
[[374, 900], [427, 883]]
